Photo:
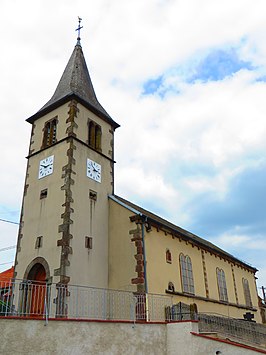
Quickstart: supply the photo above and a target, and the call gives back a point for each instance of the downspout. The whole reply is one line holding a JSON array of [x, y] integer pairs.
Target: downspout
[[144, 254]]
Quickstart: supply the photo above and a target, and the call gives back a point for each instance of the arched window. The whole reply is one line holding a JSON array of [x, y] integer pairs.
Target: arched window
[[49, 133], [221, 285], [186, 274], [95, 136], [171, 287], [247, 292], [168, 256]]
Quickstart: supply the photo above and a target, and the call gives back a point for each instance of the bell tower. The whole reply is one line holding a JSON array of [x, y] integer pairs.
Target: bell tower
[[63, 234]]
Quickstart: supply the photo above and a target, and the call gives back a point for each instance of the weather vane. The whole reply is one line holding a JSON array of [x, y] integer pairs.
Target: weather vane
[[79, 28]]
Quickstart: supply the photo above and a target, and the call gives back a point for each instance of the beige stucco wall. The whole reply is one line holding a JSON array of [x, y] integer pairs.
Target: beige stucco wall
[[240, 272], [160, 273], [39, 215], [42, 217], [90, 218], [121, 250]]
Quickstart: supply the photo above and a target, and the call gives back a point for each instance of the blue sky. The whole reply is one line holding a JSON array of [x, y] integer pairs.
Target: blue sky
[[218, 64], [186, 81], [214, 65]]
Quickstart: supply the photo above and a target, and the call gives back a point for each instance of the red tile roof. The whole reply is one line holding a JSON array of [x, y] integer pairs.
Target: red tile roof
[[6, 276]]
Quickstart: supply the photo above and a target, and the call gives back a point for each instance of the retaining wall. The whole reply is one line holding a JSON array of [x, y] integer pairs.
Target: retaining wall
[[26, 336]]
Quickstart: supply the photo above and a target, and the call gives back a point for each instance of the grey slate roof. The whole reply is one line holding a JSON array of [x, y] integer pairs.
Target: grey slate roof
[[75, 82], [178, 231]]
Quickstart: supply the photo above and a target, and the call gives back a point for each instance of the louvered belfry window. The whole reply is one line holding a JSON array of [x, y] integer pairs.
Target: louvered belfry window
[[49, 133], [95, 136]]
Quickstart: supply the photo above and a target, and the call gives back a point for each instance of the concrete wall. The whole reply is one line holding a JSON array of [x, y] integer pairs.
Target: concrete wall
[[108, 338], [64, 337], [180, 341]]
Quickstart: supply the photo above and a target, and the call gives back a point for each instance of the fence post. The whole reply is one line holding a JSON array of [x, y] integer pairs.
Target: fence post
[[133, 305]]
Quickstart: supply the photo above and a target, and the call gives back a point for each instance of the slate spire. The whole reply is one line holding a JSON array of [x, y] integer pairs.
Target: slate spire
[[76, 80], [75, 83]]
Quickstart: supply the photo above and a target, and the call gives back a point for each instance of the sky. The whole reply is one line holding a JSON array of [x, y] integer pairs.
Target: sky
[[185, 79]]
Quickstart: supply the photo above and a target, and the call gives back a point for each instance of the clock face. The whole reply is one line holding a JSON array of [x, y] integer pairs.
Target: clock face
[[94, 170], [46, 166]]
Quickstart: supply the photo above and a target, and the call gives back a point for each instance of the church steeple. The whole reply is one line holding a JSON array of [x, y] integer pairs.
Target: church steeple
[[75, 83], [70, 174]]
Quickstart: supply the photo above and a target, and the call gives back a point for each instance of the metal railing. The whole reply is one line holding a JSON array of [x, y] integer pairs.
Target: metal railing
[[41, 300], [237, 328], [23, 298]]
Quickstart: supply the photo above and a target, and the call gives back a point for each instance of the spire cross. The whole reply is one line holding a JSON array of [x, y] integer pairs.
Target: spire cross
[[79, 28]]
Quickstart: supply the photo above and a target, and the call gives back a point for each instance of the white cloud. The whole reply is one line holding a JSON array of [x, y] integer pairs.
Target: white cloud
[[228, 240], [146, 184]]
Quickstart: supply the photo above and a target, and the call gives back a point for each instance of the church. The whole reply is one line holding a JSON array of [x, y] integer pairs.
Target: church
[[74, 229]]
